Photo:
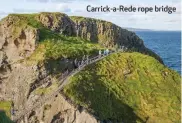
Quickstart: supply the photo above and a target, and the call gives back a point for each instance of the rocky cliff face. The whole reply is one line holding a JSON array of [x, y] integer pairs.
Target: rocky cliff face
[[24, 84], [17, 41], [110, 35], [57, 22], [105, 33], [18, 35], [58, 110], [102, 32]]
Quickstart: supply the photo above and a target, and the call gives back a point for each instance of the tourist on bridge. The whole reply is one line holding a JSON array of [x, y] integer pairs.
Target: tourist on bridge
[[107, 51], [100, 53], [75, 64], [104, 52]]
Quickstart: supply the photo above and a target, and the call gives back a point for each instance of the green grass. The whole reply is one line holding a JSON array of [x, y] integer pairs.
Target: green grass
[[51, 45], [54, 45], [80, 18], [5, 108], [128, 87], [69, 47]]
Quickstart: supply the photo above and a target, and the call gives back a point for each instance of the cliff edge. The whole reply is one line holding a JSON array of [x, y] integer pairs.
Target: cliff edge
[[36, 49]]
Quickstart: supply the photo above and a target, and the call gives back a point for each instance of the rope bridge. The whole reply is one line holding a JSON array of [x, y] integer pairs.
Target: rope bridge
[[63, 80]]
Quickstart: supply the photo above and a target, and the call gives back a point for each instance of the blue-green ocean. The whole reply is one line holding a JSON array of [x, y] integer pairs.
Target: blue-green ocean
[[167, 44]]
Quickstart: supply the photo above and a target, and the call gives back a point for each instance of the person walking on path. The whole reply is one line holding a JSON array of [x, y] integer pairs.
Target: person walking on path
[[107, 51], [100, 53], [104, 52]]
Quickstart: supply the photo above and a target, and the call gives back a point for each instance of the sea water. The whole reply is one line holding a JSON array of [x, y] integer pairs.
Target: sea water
[[167, 44]]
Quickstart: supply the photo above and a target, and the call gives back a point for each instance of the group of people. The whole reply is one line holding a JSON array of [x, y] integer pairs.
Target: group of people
[[77, 63], [105, 52]]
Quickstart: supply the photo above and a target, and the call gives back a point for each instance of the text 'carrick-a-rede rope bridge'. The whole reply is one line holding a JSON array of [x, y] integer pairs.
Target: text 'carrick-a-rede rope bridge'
[[63, 80]]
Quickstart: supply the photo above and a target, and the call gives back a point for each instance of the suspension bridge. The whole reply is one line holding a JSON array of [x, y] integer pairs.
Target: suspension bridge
[[64, 80]]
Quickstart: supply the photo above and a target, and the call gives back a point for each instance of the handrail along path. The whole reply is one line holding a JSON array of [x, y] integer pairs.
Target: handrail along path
[[64, 81]]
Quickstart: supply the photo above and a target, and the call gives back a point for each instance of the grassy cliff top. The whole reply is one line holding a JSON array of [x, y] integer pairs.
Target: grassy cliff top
[[128, 87], [50, 27], [51, 44], [65, 47], [80, 18]]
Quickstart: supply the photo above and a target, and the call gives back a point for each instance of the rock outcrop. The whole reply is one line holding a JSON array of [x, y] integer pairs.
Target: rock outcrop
[[59, 110], [16, 39], [105, 33], [57, 22]]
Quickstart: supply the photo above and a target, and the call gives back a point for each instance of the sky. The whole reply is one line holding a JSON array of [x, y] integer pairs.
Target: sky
[[153, 20]]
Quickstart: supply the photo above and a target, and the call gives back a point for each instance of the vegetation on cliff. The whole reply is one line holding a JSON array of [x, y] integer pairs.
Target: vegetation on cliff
[[52, 29], [128, 87], [69, 47], [111, 35], [5, 108], [51, 44]]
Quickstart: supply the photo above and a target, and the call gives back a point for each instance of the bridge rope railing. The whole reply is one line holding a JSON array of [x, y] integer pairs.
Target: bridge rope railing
[[63, 81]]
